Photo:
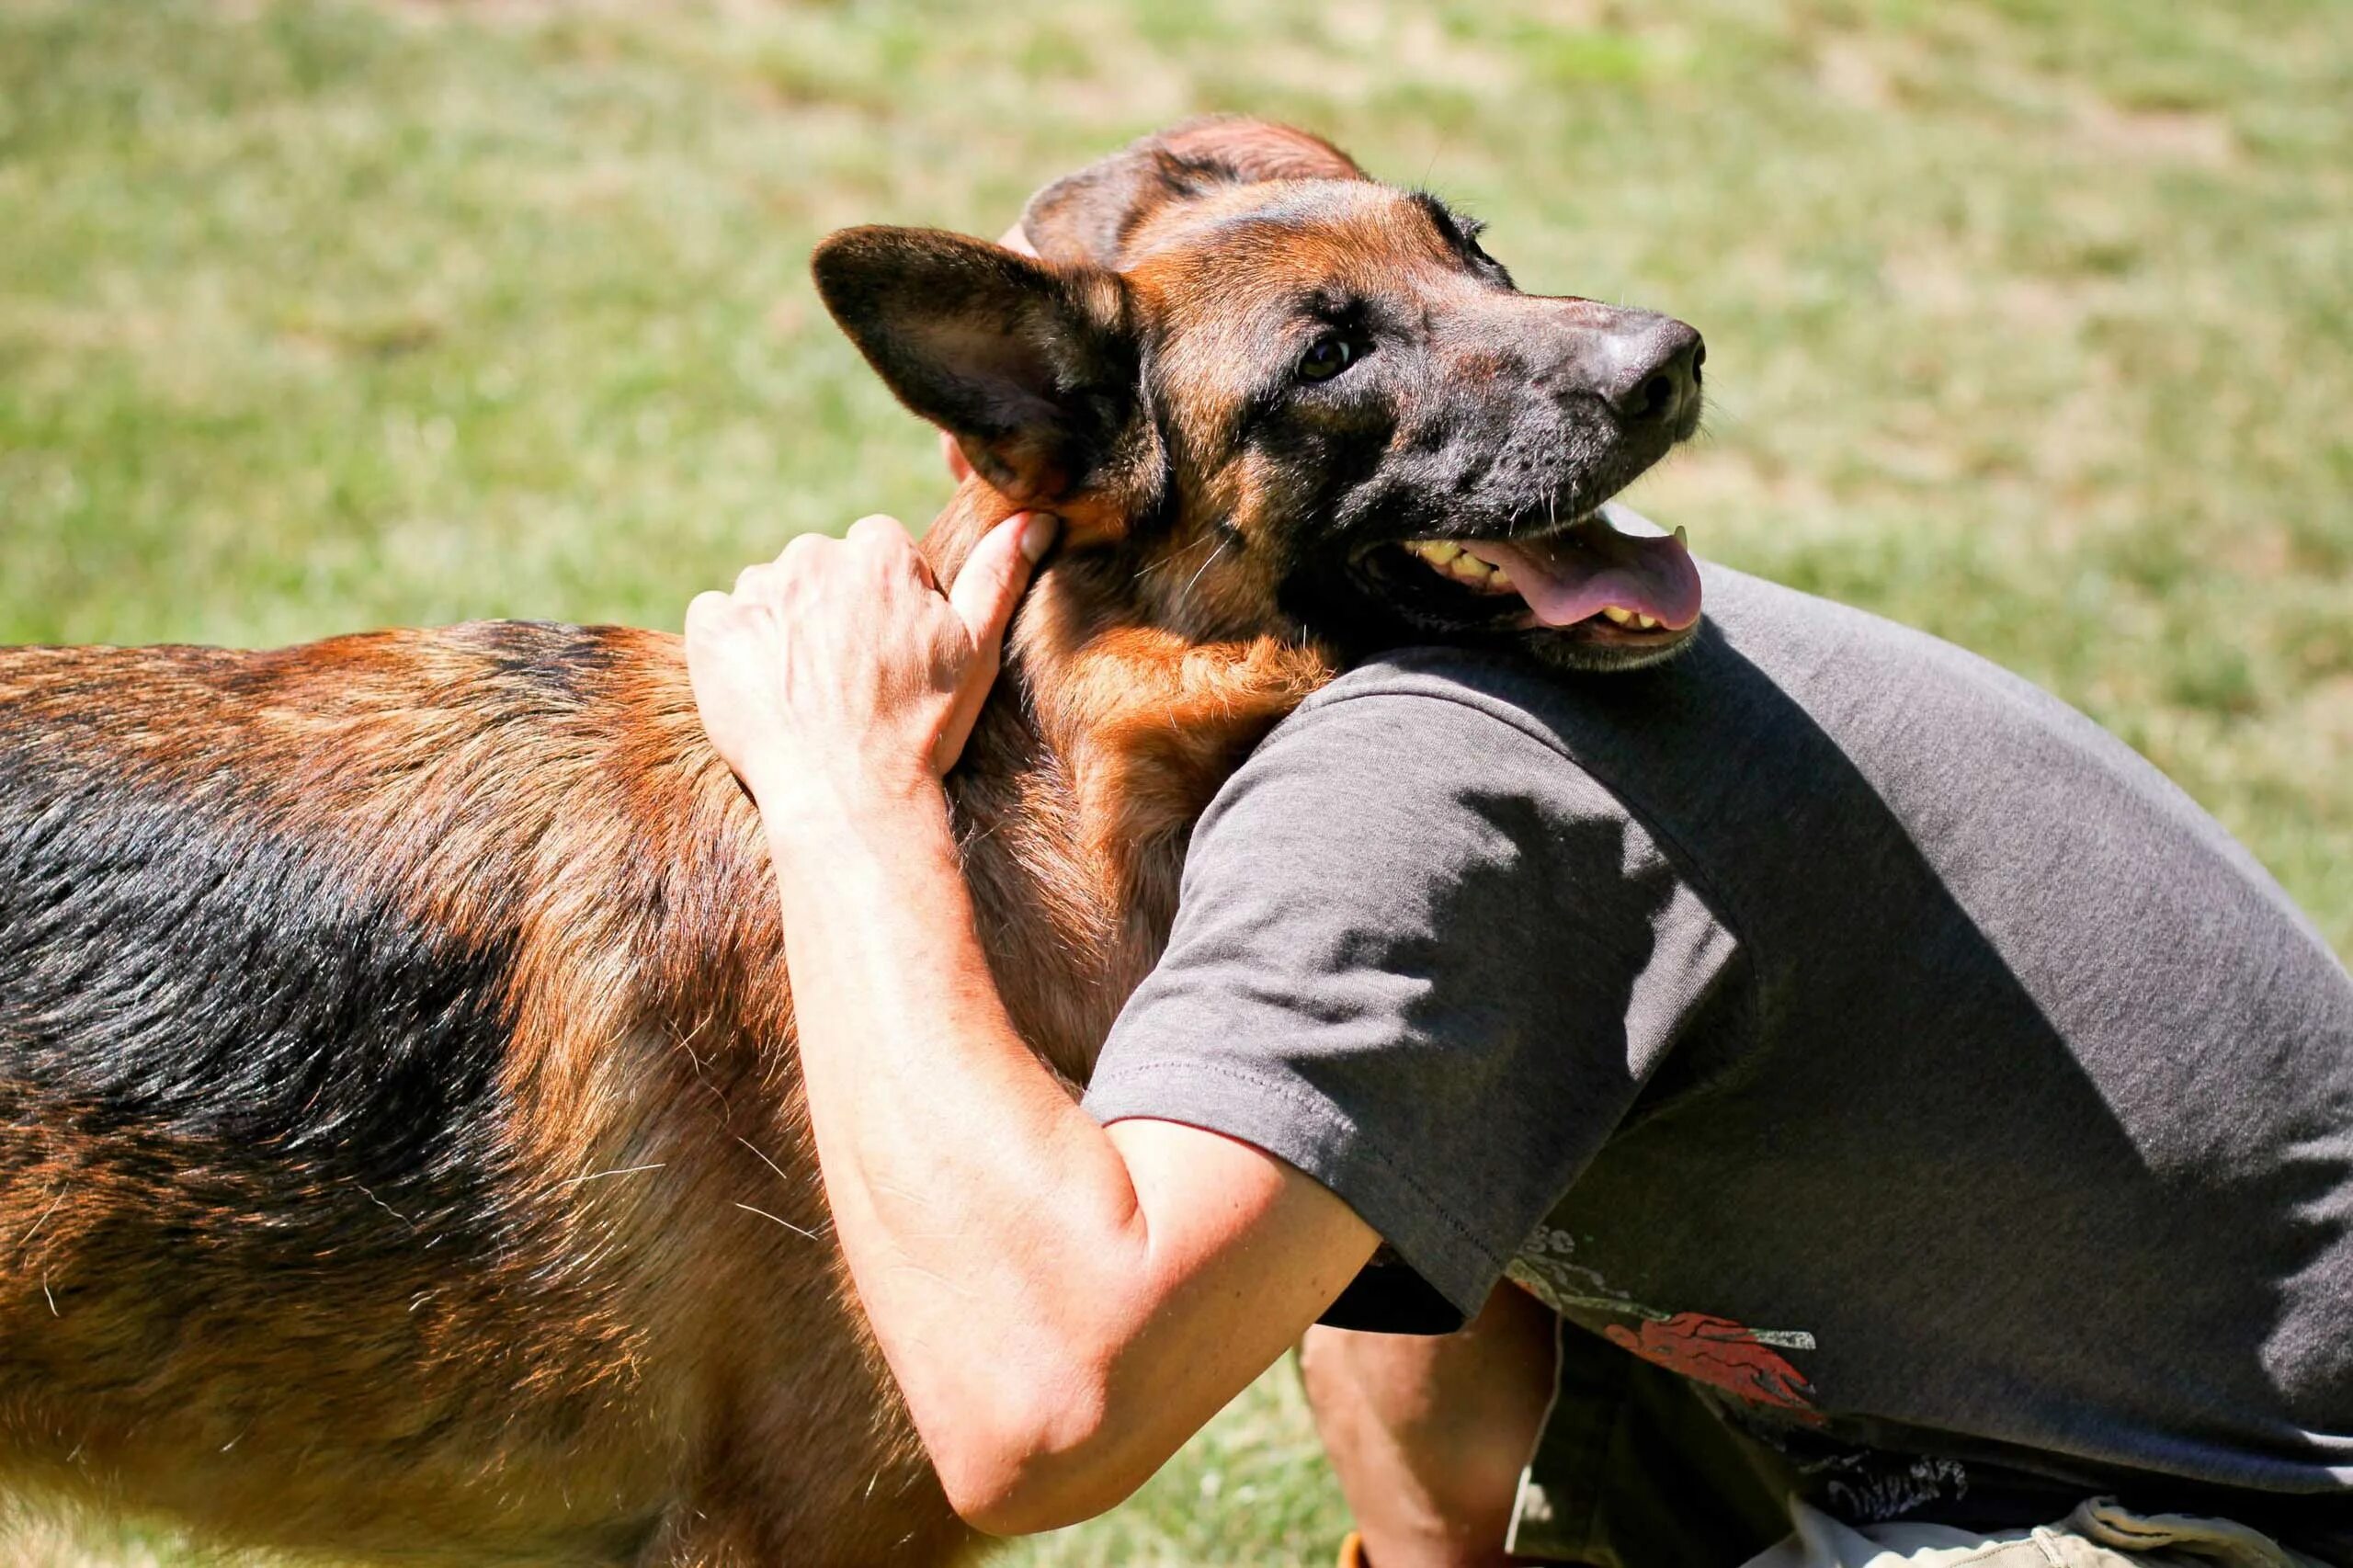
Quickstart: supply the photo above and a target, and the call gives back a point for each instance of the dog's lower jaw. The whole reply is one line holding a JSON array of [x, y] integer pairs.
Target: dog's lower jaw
[[1571, 656]]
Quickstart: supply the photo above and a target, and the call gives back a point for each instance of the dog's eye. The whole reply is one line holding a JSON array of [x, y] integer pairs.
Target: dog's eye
[[1326, 357]]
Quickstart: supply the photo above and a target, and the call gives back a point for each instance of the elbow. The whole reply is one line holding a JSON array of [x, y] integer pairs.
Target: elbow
[[1027, 1499], [1035, 1469]]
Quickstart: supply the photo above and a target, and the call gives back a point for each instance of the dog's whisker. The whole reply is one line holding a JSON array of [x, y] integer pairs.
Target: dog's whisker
[[809, 1235], [26, 1240], [1177, 556], [763, 1158], [1191, 583], [625, 1170], [384, 1206]]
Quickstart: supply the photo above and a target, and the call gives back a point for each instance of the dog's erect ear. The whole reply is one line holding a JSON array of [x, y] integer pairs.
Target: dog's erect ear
[[1090, 216], [1033, 368]]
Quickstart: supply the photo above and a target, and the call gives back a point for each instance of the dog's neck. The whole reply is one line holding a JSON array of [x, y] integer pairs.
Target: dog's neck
[[1102, 744]]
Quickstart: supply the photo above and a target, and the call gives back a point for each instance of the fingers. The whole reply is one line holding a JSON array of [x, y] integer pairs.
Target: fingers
[[763, 580], [845, 638], [885, 537], [990, 584], [892, 546], [877, 528], [997, 570], [706, 612]]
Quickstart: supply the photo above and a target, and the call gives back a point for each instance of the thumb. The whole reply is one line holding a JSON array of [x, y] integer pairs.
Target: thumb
[[983, 596], [993, 575]]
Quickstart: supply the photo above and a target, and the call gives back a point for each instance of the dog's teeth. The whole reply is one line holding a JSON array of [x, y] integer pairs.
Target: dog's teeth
[[1681, 536], [1617, 617], [1450, 559], [1647, 623]]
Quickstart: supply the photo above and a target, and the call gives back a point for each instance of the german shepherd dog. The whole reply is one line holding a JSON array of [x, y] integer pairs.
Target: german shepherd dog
[[403, 1152]]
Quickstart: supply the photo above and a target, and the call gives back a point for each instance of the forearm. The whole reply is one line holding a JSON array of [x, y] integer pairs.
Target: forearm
[[1062, 1304], [990, 1225]]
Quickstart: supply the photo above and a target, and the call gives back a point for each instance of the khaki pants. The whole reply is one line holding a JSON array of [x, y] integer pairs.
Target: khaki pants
[[2097, 1535]]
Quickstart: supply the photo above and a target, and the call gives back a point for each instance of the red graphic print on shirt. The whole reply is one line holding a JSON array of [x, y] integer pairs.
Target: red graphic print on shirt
[[1722, 1353]]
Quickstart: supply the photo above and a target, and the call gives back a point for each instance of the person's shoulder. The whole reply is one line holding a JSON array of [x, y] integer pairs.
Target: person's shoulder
[[1417, 739], [1441, 686], [1444, 721], [1435, 694]]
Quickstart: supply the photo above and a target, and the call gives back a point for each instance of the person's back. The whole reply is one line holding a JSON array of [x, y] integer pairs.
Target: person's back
[[1844, 1024]]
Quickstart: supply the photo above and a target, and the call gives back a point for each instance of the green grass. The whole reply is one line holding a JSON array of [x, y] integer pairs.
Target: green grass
[[2029, 321]]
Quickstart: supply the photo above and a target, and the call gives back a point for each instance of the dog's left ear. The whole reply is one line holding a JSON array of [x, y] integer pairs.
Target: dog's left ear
[[1032, 368]]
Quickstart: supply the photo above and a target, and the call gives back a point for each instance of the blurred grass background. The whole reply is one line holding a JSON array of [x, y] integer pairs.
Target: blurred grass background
[[2029, 321]]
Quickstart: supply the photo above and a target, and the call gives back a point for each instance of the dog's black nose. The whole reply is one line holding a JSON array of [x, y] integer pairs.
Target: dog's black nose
[[1654, 377]]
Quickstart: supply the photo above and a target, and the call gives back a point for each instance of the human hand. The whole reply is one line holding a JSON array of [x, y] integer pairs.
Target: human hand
[[840, 670]]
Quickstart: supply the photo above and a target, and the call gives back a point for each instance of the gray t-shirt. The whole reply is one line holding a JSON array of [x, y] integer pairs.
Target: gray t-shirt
[[1828, 1015]]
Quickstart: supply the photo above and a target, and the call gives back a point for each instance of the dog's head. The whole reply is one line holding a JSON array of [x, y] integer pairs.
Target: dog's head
[[1269, 394]]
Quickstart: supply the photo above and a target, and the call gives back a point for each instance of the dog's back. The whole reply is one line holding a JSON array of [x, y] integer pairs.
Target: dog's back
[[353, 994]]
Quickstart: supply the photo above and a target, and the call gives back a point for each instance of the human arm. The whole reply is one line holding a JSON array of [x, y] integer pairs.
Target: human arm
[[1061, 1303]]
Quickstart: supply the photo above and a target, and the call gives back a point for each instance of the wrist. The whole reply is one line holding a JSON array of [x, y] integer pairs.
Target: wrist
[[823, 824], [820, 791]]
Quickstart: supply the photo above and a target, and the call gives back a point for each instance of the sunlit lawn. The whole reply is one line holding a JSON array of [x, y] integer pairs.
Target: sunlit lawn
[[2029, 321]]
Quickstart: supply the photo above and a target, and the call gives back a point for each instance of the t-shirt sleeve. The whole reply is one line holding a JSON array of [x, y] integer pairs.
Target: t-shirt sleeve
[[1423, 957]]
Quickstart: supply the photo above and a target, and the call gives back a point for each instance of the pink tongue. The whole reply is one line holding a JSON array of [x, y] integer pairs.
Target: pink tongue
[[1576, 575]]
